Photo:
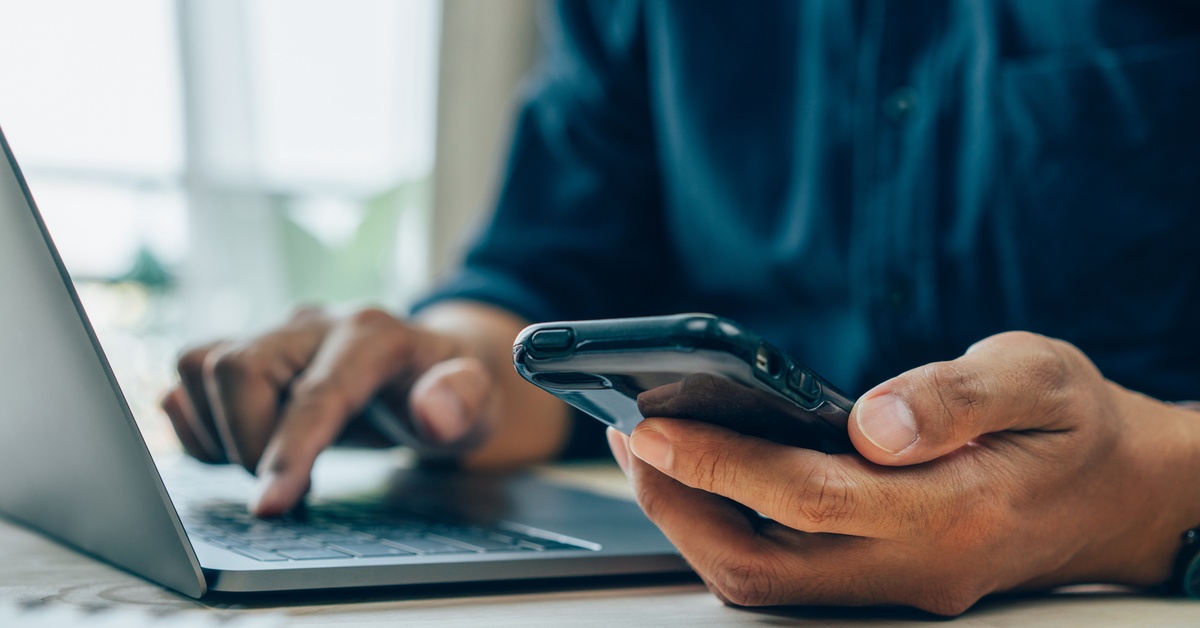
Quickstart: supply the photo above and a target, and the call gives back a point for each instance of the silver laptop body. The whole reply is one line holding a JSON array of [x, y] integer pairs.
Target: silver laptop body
[[74, 466]]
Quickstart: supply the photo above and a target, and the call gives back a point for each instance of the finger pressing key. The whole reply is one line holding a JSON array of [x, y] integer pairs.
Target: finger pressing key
[[360, 355]]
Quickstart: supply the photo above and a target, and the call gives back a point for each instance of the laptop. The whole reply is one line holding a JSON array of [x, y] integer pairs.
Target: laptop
[[74, 466]]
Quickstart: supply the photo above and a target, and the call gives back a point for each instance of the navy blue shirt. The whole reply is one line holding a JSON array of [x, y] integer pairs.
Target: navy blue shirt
[[872, 185]]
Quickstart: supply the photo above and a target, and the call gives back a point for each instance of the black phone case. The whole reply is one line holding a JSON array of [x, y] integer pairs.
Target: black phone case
[[688, 366]]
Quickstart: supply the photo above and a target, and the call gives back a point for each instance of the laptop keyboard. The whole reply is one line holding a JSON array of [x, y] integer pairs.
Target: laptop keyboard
[[342, 532]]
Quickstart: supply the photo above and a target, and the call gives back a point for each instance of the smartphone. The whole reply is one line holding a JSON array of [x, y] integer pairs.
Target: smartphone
[[687, 366]]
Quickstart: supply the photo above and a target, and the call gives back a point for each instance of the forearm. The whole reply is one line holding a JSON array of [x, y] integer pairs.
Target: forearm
[[527, 424]]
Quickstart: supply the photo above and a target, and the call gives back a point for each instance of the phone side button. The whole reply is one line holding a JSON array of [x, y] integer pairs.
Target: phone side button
[[803, 383], [550, 340]]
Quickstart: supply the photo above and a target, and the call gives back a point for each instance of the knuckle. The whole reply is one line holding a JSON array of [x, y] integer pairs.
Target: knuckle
[[371, 317], [1052, 373], [961, 392], [1046, 365], [231, 366], [1017, 338], [1048, 369], [743, 581], [389, 336], [821, 499]]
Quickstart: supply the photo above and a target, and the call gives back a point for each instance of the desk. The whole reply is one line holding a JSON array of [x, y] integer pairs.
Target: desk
[[37, 572]]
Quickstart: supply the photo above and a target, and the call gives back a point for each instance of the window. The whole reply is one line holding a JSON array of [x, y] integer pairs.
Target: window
[[206, 165]]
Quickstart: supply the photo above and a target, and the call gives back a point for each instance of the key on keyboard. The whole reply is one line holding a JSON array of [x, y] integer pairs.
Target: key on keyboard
[[340, 532]]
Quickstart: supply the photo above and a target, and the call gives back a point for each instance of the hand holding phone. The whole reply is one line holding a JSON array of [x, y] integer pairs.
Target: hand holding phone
[[688, 366]]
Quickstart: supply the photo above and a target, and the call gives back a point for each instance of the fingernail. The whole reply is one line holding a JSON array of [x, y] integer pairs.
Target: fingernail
[[888, 423], [651, 447], [445, 417], [619, 445]]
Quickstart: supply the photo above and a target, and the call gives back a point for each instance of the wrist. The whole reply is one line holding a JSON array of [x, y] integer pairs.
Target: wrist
[[1185, 573], [1163, 459]]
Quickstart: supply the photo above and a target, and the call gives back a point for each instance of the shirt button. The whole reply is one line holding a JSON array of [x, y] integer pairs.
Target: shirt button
[[900, 104]]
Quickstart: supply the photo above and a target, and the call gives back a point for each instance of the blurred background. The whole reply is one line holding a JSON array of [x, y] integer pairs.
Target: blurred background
[[206, 166]]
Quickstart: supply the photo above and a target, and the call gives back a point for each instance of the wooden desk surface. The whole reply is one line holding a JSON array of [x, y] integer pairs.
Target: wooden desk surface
[[37, 572]]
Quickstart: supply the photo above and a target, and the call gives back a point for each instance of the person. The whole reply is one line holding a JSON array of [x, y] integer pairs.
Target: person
[[983, 214]]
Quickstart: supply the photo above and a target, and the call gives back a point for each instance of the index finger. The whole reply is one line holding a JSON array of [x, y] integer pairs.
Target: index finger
[[748, 561], [801, 488], [358, 357]]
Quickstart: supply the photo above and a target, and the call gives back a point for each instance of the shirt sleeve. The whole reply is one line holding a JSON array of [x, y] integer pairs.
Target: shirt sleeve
[[577, 229]]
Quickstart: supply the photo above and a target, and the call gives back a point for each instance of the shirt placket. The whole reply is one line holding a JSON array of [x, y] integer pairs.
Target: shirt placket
[[888, 201]]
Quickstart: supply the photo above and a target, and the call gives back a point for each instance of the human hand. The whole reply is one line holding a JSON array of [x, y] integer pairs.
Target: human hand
[[273, 403], [1016, 466]]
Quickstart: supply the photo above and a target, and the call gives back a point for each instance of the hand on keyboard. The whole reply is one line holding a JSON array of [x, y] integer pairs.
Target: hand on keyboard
[[274, 402]]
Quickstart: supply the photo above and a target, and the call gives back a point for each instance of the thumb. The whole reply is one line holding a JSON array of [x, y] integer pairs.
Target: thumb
[[449, 403], [1004, 382]]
